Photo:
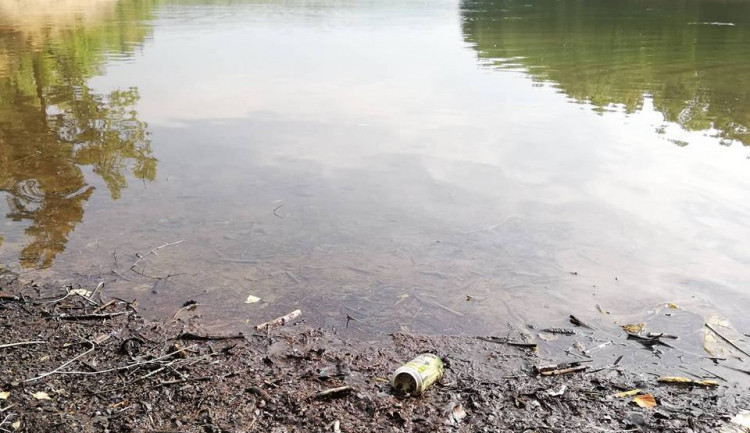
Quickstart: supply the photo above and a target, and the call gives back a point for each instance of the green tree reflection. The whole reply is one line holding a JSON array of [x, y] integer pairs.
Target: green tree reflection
[[683, 53], [52, 125]]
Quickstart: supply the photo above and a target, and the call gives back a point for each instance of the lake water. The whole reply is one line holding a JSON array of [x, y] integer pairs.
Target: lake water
[[434, 166]]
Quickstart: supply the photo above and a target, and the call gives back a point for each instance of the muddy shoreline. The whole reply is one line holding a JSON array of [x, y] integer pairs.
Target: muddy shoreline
[[73, 363]]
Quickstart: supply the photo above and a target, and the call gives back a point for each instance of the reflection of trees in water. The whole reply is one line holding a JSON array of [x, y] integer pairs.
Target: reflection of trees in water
[[616, 52], [52, 124]]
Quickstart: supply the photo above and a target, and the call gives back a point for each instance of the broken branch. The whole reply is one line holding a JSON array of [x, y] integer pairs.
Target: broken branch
[[283, 320]]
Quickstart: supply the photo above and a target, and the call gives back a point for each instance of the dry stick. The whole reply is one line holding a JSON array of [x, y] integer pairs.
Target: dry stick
[[98, 287], [169, 365], [129, 366], [564, 371], [92, 316], [5, 420], [185, 308], [433, 303], [279, 321], [726, 339], [332, 391], [112, 301], [22, 343], [191, 336], [57, 370], [499, 340], [154, 252], [713, 374]]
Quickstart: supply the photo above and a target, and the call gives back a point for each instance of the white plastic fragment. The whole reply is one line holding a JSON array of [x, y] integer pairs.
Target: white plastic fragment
[[252, 299]]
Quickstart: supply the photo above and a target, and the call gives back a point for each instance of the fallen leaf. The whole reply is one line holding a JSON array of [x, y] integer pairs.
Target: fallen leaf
[[673, 306], [4, 395], [645, 400], [630, 393], [83, 292], [16, 425], [456, 413], [676, 380], [635, 328], [101, 338], [41, 396], [252, 299]]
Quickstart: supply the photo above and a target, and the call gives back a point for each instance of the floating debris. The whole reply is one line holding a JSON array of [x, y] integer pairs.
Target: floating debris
[[675, 380], [251, 299]]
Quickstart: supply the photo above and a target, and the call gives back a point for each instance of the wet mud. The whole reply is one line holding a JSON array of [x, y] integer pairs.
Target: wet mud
[[76, 361]]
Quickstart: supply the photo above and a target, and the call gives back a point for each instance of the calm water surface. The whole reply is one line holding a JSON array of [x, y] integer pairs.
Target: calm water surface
[[382, 159]]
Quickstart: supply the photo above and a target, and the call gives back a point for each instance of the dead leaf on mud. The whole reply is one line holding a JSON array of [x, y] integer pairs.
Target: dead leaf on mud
[[630, 393], [4, 395], [634, 328], [41, 395], [82, 292], [251, 299], [455, 413], [646, 401], [676, 380]]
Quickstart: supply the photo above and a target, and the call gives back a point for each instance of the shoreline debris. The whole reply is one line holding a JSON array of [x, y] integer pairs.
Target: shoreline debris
[[279, 321], [561, 368], [417, 375]]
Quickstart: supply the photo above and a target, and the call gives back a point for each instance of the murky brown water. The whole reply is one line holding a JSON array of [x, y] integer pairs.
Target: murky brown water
[[382, 159]]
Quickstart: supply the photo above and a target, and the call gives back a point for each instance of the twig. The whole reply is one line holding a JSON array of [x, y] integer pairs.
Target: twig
[[499, 340], [188, 307], [91, 316], [22, 343], [57, 370], [188, 361], [726, 339], [277, 208], [4, 421], [713, 374], [333, 391], [433, 303], [564, 371], [578, 322], [98, 287], [191, 336], [279, 321], [154, 252], [105, 306], [563, 331], [129, 366]]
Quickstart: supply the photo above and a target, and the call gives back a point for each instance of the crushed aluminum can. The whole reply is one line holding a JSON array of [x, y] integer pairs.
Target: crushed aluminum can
[[417, 375]]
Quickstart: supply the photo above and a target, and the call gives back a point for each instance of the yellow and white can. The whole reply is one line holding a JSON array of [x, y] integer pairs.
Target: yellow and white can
[[417, 375]]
